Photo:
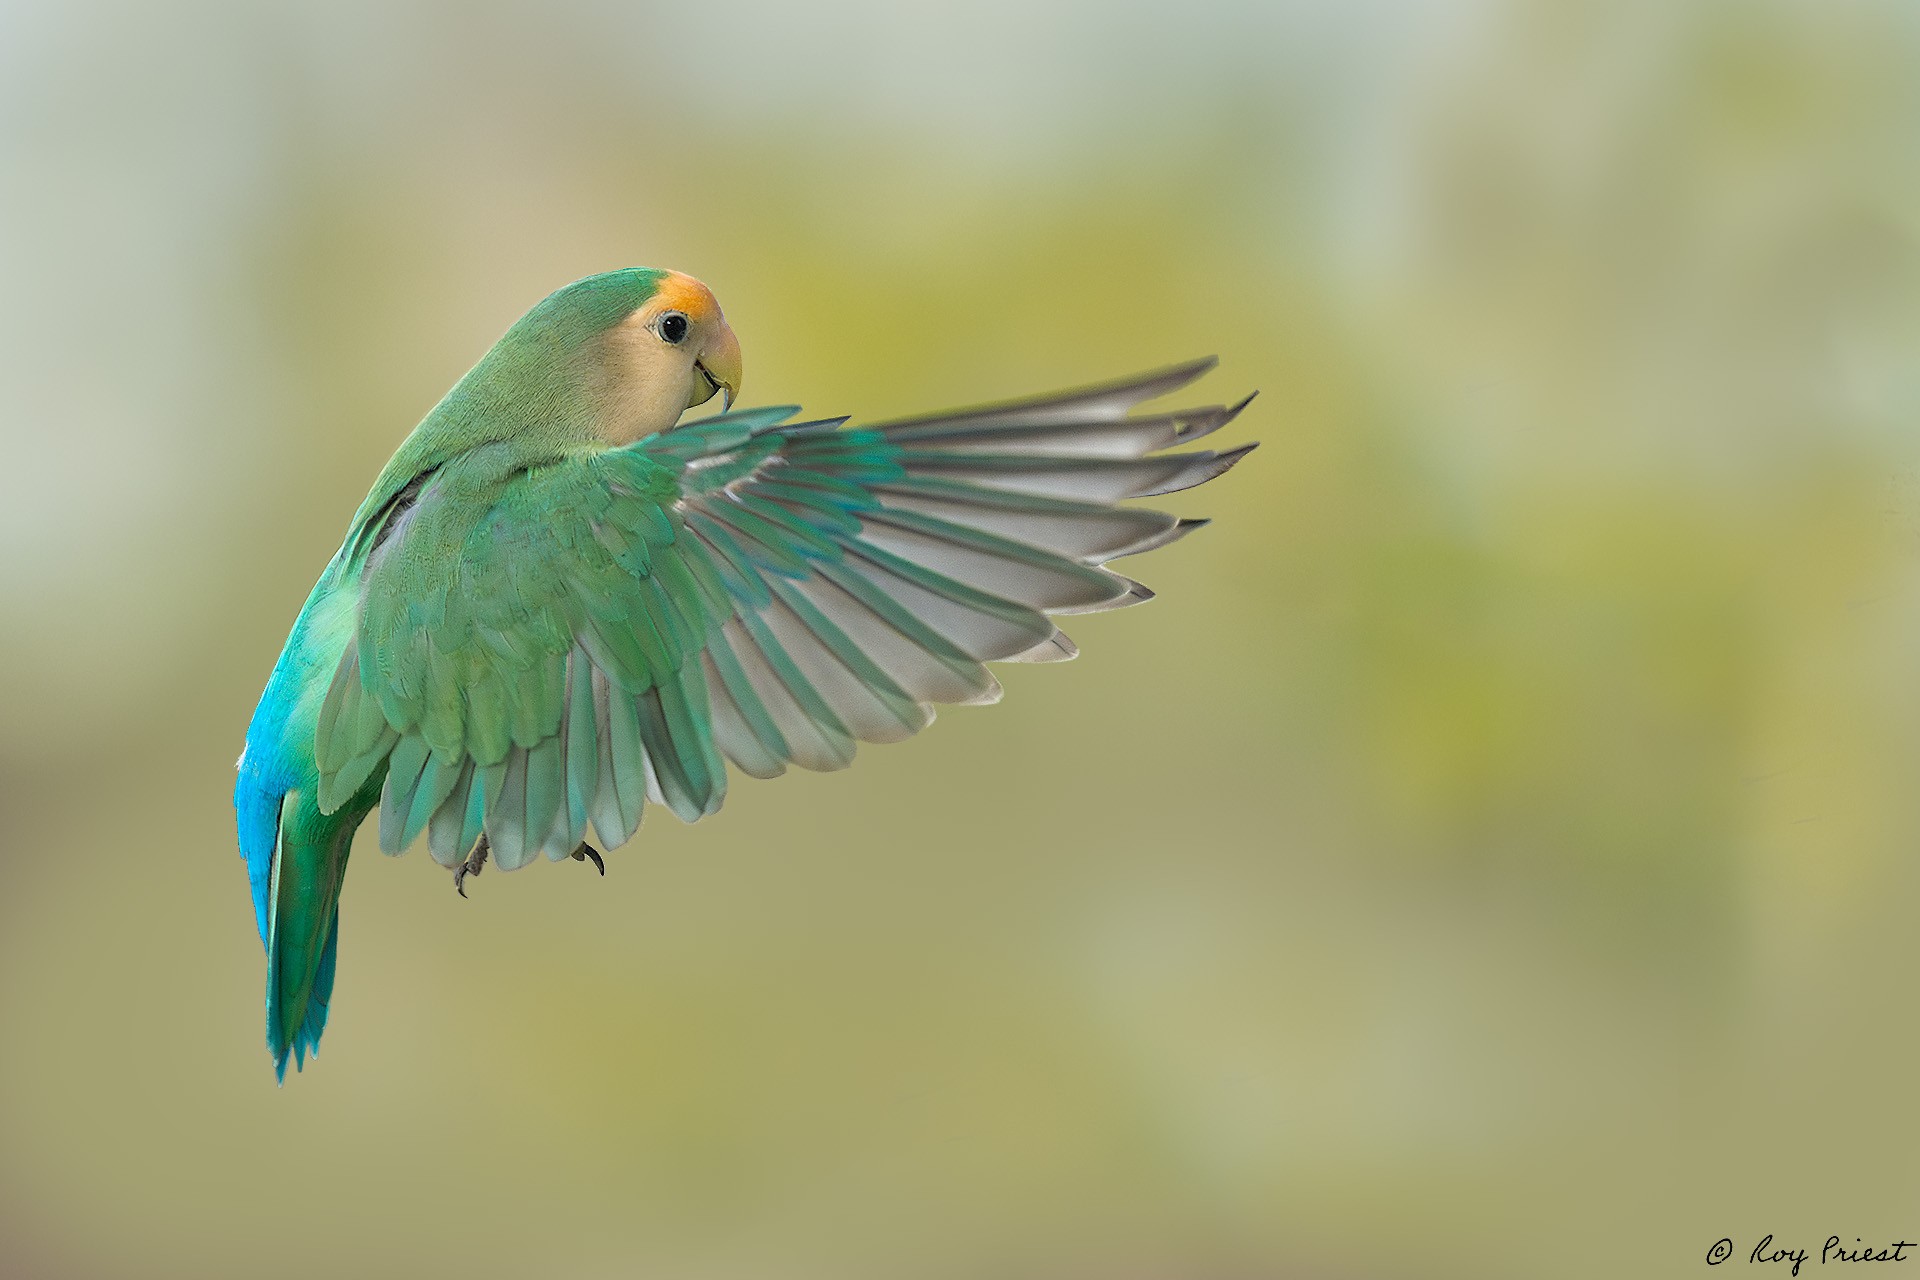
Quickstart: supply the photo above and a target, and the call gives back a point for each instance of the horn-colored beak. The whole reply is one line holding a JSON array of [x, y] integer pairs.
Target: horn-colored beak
[[719, 365]]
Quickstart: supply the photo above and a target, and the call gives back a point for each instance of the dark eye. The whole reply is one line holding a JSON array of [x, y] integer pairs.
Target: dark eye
[[673, 326]]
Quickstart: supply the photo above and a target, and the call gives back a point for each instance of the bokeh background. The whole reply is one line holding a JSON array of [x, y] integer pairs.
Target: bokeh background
[[1496, 854]]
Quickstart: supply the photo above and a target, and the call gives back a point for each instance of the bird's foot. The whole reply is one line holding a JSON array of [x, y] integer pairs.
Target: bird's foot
[[471, 867], [587, 852]]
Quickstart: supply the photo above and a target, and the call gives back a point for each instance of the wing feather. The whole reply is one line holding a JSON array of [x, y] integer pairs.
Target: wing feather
[[541, 650]]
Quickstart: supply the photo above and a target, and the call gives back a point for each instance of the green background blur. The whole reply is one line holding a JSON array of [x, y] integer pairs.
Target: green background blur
[[1494, 855]]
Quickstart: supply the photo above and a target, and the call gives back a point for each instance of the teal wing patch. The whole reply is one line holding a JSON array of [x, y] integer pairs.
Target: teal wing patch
[[554, 647]]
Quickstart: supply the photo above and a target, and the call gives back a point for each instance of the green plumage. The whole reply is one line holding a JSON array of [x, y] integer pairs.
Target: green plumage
[[528, 633]]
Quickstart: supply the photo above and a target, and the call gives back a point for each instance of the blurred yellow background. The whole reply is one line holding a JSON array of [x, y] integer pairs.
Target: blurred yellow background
[[1493, 856]]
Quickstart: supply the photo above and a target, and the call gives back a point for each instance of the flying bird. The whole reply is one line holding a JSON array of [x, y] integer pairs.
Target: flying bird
[[559, 603]]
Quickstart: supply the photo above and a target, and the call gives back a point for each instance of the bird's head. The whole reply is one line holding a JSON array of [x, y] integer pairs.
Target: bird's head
[[642, 345], [678, 338]]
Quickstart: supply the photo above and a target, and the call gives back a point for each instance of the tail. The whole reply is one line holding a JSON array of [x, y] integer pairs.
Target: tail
[[303, 924], [296, 856]]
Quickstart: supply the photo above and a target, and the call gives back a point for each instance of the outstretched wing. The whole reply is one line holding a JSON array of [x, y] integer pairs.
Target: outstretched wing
[[616, 624]]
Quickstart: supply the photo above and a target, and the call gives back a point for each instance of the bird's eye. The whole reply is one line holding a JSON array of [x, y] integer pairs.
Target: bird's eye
[[673, 327]]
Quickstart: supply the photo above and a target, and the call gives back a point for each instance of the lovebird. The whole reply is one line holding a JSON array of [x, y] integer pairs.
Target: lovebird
[[560, 603]]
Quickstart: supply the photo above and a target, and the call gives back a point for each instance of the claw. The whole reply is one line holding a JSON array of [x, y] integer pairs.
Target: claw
[[471, 867], [587, 851]]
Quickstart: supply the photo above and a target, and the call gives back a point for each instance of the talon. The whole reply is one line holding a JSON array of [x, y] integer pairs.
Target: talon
[[471, 867], [586, 851]]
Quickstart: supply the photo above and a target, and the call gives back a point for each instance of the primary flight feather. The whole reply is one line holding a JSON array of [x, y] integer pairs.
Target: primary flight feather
[[557, 605]]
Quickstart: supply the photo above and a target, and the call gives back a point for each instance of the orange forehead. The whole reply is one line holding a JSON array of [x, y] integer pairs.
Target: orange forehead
[[678, 292]]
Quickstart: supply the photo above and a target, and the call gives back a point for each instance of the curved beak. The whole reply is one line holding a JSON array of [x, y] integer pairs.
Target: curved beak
[[719, 369]]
